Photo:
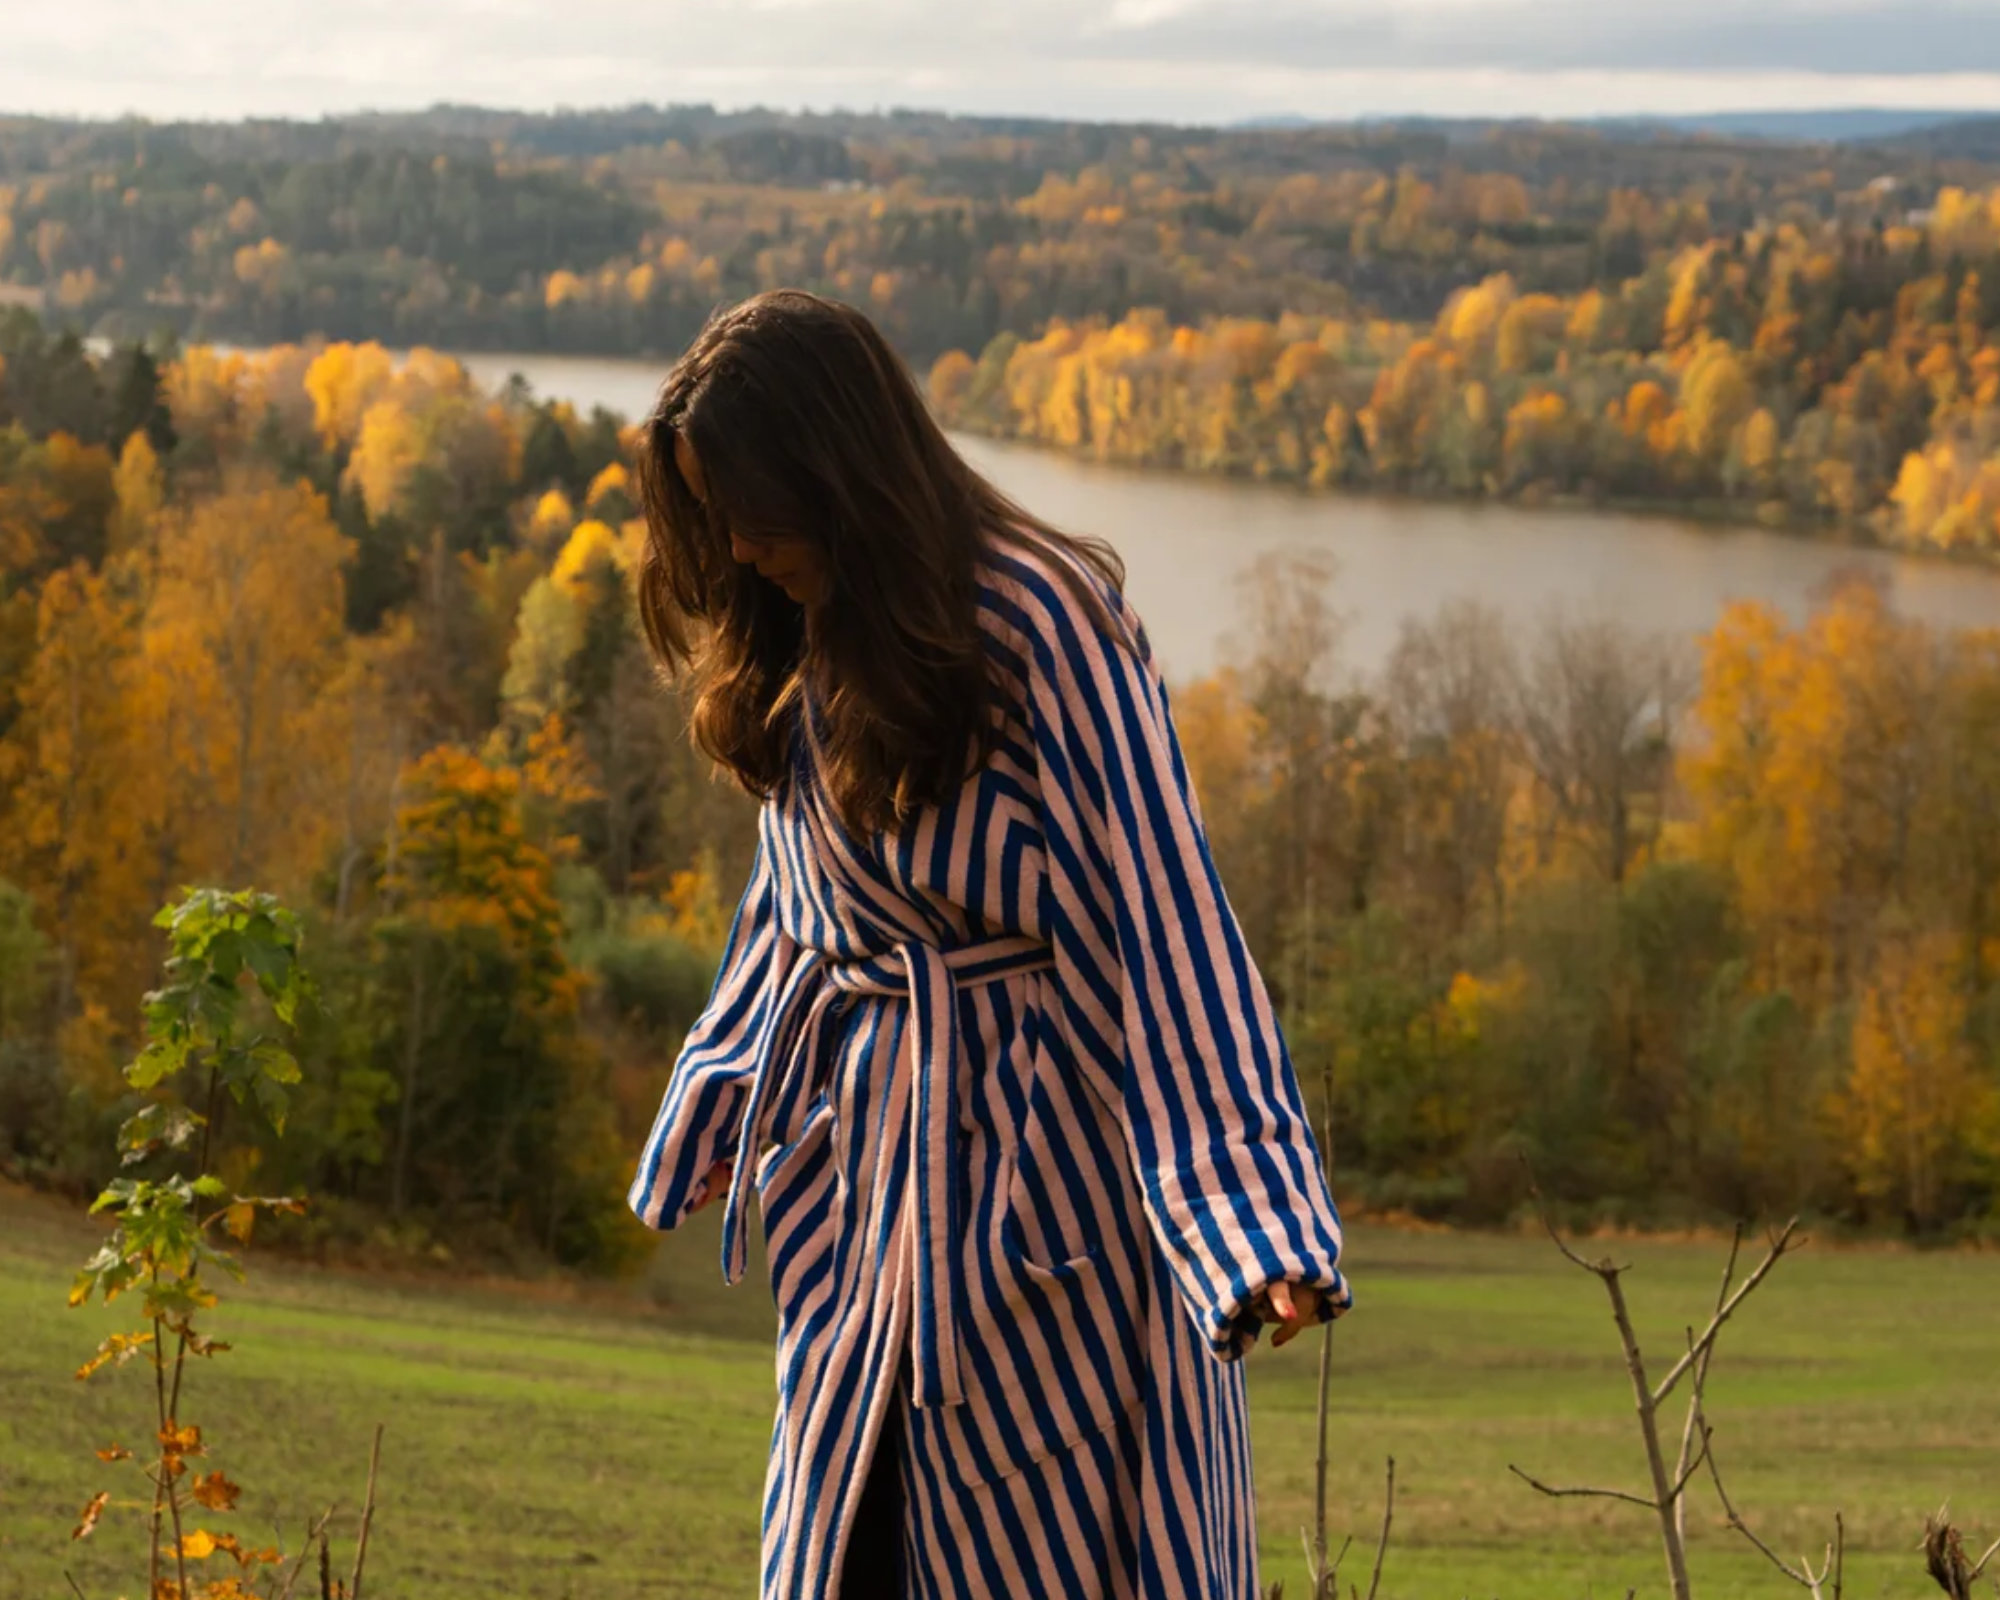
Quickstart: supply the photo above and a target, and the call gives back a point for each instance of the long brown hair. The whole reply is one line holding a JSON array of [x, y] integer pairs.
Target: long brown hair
[[807, 425]]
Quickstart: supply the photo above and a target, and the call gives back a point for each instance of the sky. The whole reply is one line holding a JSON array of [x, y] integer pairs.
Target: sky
[[1166, 60]]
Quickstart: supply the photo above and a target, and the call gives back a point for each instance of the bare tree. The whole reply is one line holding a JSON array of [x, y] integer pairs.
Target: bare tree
[[1596, 707], [1669, 1482], [1447, 687], [1287, 654]]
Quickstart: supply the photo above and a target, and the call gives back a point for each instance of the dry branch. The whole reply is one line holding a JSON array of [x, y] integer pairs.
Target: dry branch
[[1832, 1565], [1688, 1471], [367, 1518], [1581, 1490], [1979, 1566], [1669, 1488], [1382, 1544], [314, 1531], [1781, 1246], [1944, 1556], [1691, 1423]]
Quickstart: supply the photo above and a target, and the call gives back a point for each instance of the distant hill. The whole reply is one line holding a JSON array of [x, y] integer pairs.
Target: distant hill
[[1854, 125], [1851, 126], [1973, 139], [615, 231]]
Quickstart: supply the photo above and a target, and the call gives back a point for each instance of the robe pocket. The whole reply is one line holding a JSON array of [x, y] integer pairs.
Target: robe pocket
[[797, 1188], [1051, 1353]]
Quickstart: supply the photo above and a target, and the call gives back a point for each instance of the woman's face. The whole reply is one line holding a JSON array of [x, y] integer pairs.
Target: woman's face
[[792, 563]]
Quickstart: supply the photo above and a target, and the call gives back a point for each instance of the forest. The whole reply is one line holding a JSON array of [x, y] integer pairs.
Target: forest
[[1689, 933], [1802, 335]]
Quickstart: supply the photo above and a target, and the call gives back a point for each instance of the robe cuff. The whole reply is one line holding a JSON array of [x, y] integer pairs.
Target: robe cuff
[[698, 1125]]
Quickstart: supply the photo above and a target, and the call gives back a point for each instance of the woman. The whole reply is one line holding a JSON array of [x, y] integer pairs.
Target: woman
[[986, 1040]]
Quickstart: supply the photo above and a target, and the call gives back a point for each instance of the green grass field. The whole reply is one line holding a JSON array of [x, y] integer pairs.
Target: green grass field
[[542, 1446]]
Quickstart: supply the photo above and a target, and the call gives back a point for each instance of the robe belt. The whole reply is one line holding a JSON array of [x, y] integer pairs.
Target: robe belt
[[931, 1233]]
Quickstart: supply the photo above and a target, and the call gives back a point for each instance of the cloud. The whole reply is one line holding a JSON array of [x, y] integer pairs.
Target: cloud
[[1829, 36], [1180, 60]]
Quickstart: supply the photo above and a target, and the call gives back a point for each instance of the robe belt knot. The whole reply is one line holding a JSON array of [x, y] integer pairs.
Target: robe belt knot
[[930, 1230]]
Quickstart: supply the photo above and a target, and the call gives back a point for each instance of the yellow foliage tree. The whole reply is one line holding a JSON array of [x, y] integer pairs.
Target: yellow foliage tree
[[67, 782], [1807, 774], [1914, 1108], [203, 389], [387, 453], [1716, 397], [243, 630], [343, 382], [950, 378], [140, 486], [552, 518]]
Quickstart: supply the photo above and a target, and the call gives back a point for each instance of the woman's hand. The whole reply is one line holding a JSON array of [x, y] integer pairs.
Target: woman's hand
[[1293, 1306], [714, 1185]]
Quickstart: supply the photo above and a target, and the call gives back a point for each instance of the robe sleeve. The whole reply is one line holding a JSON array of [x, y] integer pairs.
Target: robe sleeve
[[701, 1115], [1166, 1007]]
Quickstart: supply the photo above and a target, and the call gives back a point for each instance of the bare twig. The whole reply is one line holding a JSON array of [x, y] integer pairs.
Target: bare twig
[[1325, 1577], [325, 1569], [1689, 1470], [1581, 1491], [1382, 1544], [1781, 1246], [367, 1517], [316, 1530], [1647, 1404], [1322, 1587], [1318, 1575], [1979, 1566], [1803, 1575], [1691, 1424], [1542, 1211], [70, 1579]]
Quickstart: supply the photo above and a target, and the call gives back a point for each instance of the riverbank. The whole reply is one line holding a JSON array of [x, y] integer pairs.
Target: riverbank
[[1723, 515]]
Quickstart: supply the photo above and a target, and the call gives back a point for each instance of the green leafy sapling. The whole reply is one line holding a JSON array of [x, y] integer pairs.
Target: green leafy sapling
[[221, 1024]]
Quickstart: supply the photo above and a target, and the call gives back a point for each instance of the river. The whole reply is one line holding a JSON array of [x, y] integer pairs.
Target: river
[[1187, 539]]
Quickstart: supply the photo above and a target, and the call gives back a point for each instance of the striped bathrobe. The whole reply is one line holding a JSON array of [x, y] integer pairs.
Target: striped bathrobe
[[1026, 1143]]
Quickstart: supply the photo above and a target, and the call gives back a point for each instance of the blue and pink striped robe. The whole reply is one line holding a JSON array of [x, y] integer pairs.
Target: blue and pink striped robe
[[1026, 1142]]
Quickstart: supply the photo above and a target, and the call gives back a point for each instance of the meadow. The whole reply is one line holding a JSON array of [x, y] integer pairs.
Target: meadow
[[549, 1442]]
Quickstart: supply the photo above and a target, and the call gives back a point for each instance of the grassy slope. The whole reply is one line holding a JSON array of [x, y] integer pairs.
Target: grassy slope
[[545, 1448]]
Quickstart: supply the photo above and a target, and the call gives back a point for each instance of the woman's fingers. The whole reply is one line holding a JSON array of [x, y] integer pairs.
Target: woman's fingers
[[713, 1184], [1294, 1307]]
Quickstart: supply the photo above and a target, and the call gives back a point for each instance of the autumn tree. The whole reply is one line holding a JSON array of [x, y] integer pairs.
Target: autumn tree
[[476, 1004], [1920, 1120], [242, 632], [69, 835]]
